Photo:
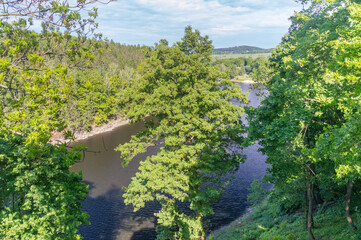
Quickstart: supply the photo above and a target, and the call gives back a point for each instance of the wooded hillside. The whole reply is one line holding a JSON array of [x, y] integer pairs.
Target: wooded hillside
[[240, 49]]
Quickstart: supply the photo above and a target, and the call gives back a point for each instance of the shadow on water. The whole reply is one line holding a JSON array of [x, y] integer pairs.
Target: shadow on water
[[149, 233], [109, 216], [111, 219]]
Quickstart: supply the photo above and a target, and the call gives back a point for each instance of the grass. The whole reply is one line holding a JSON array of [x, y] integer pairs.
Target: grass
[[238, 55], [264, 224]]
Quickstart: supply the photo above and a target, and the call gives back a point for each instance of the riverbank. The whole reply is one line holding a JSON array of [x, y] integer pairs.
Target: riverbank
[[268, 221], [111, 125], [249, 81], [215, 233]]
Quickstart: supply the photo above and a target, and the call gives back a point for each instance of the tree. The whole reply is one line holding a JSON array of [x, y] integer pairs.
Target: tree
[[342, 146], [340, 143], [261, 71], [34, 66], [305, 125], [39, 196], [93, 97], [188, 104]]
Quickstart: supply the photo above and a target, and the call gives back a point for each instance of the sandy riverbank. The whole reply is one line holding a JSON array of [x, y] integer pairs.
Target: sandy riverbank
[[58, 137], [249, 81]]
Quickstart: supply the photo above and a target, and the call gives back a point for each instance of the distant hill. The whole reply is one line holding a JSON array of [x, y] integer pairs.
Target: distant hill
[[240, 49]]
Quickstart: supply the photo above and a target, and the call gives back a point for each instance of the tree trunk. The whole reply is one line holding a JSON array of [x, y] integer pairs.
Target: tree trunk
[[348, 201], [310, 210], [13, 201], [306, 206], [201, 234]]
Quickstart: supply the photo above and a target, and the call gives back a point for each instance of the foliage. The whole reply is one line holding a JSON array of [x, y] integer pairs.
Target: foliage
[[242, 55], [341, 145], [94, 95], [240, 49], [260, 70], [262, 224], [309, 124], [34, 66], [257, 68], [39, 196], [188, 102], [256, 192]]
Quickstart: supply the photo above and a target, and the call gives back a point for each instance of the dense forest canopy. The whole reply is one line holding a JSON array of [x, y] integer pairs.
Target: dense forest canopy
[[94, 97]]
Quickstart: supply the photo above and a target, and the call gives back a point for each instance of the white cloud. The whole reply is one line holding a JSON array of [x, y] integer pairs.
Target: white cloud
[[186, 6], [167, 18]]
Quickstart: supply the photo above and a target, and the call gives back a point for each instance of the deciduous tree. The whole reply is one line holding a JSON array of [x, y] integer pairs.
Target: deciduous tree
[[189, 104], [39, 196], [307, 124]]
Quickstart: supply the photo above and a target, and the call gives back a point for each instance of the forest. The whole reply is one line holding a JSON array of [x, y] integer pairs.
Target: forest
[[241, 49], [309, 125], [66, 78], [244, 67]]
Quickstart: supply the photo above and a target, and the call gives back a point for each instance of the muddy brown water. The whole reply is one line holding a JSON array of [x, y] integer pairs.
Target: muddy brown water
[[111, 219]]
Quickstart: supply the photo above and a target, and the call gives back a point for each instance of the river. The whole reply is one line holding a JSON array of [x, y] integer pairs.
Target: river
[[111, 219]]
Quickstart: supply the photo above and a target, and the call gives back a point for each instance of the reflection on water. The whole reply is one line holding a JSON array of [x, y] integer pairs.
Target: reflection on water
[[111, 219]]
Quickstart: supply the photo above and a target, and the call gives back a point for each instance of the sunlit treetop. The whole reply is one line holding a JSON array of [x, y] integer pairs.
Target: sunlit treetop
[[64, 14]]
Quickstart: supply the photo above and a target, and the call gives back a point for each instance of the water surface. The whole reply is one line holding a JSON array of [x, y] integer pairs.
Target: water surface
[[111, 219]]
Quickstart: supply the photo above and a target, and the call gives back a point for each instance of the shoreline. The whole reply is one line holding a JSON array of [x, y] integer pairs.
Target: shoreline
[[249, 81], [239, 221], [233, 224], [111, 125], [58, 138]]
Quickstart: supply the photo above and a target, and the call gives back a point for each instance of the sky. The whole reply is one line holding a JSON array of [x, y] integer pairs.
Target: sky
[[228, 23]]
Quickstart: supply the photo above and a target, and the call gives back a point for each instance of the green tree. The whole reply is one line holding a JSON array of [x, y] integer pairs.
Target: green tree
[[340, 143], [93, 97], [256, 192], [188, 102], [306, 125], [39, 196], [261, 71]]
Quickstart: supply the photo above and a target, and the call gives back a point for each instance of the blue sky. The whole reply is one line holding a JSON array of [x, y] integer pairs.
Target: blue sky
[[228, 23]]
